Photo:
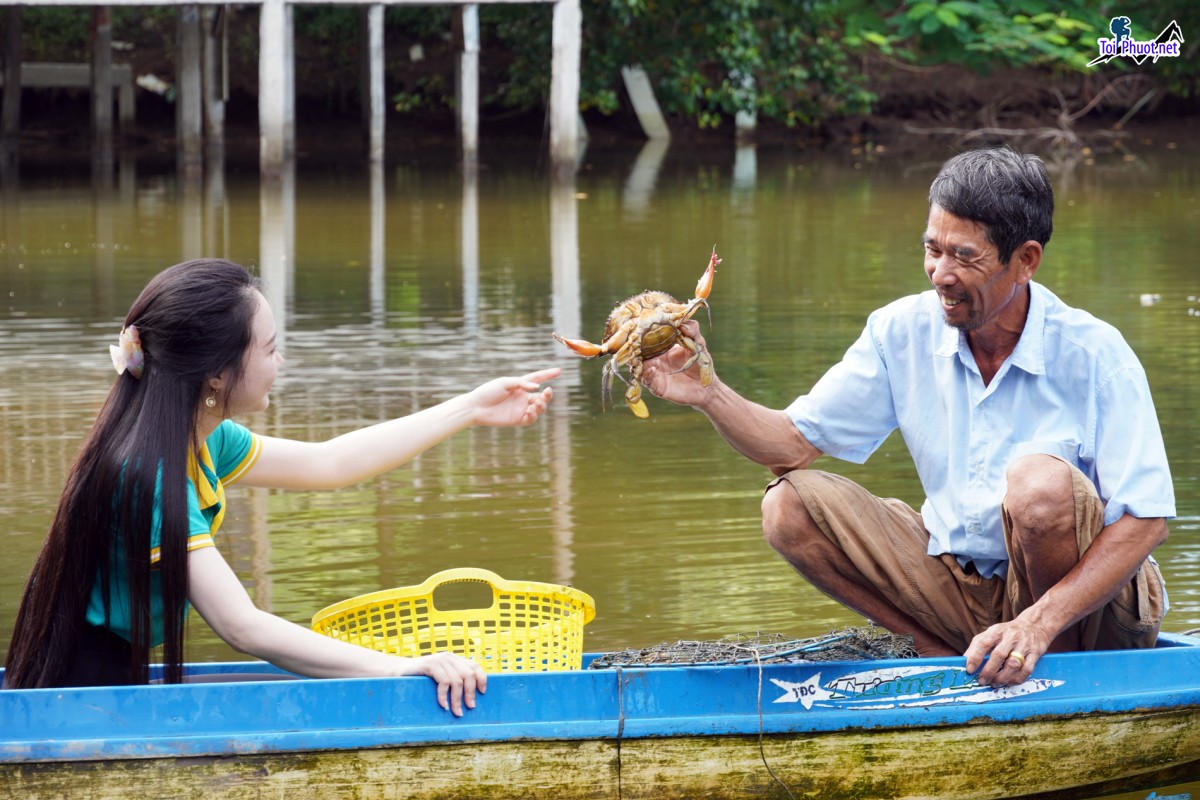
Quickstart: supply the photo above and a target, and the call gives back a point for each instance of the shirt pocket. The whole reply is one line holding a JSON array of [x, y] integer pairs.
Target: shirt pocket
[[1067, 450]]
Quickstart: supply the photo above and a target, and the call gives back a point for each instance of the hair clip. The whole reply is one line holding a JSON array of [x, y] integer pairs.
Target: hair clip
[[128, 354]]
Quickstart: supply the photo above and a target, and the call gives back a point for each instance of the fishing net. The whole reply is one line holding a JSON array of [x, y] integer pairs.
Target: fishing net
[[845, 644]]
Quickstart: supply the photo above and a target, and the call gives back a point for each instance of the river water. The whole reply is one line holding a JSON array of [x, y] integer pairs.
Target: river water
[[401, 286]]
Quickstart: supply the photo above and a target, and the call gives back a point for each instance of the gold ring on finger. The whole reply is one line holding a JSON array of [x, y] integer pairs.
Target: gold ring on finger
[[1019, 656]]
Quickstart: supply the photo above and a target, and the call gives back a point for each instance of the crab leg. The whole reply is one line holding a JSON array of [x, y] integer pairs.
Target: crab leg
[[633, 395], [612, 368], [698, 354], [694, 306], [693, 358], [630, 355], [586, 349], [606, 381]]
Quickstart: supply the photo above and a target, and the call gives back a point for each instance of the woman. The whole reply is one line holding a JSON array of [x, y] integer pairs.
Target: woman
[[131, 545]]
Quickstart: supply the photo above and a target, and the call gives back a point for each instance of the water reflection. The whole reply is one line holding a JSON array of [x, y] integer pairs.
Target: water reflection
[[564, 260], [565, 315], [378, 266], [103, 259], [639, 186], [470, 251], [745, 169], [277, 266], [396, 288], [216, 208], [277, 246]]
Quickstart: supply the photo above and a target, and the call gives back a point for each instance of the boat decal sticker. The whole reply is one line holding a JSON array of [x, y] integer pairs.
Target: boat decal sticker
[[902, 687]]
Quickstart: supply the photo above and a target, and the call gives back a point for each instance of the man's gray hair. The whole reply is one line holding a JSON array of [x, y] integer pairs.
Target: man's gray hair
[[1007, 192]]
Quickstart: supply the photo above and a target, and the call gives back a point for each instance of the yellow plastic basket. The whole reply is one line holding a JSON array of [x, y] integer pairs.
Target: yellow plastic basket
[[530, 627]]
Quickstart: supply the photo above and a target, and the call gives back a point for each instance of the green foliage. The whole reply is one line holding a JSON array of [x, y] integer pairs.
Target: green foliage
[[58, 33], [427, 93], [336, 25], [985, 34], [523, 34], [55, 33], [422, 23], [783, 60], [1057, 36]]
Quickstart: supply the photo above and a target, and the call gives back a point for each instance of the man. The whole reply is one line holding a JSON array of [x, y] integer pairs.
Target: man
[[1032, 429]]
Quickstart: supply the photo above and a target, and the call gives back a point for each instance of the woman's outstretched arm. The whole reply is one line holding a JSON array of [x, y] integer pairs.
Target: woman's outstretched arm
[[367, 452]]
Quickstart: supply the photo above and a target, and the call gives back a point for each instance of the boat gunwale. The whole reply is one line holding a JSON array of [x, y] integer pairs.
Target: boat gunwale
[[627, 703]]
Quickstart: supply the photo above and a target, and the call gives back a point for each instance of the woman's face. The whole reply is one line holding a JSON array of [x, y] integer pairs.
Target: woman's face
[[261, 365]]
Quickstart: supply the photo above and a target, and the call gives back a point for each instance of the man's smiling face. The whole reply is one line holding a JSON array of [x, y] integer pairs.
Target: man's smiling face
[[975, 287]]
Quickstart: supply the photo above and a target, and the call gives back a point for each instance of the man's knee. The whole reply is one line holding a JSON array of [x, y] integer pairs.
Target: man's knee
[[1039, 494], [786, 520]]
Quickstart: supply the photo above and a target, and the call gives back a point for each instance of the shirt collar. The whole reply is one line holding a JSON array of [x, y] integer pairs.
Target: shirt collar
[[1029, 355], [204, 477]]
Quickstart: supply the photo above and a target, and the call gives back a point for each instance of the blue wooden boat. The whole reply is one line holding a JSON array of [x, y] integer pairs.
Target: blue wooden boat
[[1084, 724]]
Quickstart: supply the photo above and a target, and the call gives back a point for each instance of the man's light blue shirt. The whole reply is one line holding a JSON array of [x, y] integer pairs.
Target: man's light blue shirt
[[1072, 388]]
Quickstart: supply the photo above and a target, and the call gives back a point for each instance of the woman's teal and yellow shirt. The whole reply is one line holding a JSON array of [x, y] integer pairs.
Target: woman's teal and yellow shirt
[[224, 457]]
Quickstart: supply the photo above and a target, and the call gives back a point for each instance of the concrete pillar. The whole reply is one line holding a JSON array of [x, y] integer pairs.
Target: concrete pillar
[[276, 78], [364, 66], [125, 101], [289, 82], [467, 85], [189, 105], [102, 86], [10, 129], [745, 122], [375, 128], [645, 105], [566, 43], [216, 82]]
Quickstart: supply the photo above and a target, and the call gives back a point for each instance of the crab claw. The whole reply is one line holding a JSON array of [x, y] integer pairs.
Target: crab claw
[[704, 285], [581, 347], [633, 399], [706, 368]]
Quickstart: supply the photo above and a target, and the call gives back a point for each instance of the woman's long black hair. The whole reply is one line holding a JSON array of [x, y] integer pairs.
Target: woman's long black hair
[[194, 320]]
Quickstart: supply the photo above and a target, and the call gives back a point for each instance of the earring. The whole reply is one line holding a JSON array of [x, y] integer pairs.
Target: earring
[[211, 400]]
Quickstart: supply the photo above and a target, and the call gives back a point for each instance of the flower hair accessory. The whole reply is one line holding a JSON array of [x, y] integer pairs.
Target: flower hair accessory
[[128, 354]]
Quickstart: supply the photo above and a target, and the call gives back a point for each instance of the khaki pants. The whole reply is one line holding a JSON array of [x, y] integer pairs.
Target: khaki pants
[[887, 542]]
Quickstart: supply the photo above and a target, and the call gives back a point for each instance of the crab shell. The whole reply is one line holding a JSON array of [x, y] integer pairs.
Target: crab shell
[[660, 337]]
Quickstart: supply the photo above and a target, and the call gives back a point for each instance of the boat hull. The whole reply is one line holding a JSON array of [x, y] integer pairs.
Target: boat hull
[[1062, 757], [902, 729]]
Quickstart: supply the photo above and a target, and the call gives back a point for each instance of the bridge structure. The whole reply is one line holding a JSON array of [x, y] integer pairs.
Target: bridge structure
[[200, 81]]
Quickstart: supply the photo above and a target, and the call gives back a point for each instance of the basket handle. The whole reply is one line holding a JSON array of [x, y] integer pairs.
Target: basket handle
[[498, 585], [462, 575]]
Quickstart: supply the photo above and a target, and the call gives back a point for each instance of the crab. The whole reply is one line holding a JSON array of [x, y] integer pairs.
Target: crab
[[644, 326]]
